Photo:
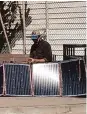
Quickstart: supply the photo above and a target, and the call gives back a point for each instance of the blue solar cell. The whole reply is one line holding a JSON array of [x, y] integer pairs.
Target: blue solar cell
[[82, 80], [17, 79], [70, 76]]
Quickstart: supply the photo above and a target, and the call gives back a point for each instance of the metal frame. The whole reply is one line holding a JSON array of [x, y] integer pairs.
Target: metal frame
[[69, 51], [47, 22]]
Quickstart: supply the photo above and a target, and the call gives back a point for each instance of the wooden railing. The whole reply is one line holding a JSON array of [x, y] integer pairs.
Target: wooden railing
[[17, 58]]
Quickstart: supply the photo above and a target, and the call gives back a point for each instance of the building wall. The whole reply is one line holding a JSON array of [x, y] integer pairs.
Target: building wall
[[62, 22]]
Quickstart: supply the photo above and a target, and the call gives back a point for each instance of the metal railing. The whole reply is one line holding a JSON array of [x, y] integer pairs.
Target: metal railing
[[69, 51]]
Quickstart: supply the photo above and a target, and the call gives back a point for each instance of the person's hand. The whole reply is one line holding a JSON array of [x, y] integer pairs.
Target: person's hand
[[31, 60]]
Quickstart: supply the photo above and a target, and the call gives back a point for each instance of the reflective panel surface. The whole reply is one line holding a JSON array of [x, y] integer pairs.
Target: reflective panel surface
[[46, 79]]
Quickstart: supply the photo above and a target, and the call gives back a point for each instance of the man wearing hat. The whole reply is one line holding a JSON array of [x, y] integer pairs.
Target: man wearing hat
[[40, 50]]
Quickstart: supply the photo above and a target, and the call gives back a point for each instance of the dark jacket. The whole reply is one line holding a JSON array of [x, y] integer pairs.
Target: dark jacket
[[41, 50]]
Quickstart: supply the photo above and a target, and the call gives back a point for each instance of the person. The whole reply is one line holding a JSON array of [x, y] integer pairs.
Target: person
[[40, 50]]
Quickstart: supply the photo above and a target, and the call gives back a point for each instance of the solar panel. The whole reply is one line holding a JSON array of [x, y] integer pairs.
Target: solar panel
[[72, 84], [82, 78], [1, 80], [65, 78], [45, 79], [17, 78]]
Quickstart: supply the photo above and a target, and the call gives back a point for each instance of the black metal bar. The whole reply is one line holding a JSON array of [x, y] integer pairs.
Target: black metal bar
[[69, 51]]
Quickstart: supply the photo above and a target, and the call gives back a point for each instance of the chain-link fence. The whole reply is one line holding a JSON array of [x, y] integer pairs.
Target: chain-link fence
[[58, 22]]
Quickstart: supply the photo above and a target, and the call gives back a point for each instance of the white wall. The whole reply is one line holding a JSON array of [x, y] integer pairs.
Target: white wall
[[66, 24]]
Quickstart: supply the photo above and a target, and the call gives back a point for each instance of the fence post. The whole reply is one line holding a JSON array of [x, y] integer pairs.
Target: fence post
[[47, 23], [24, 29]]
